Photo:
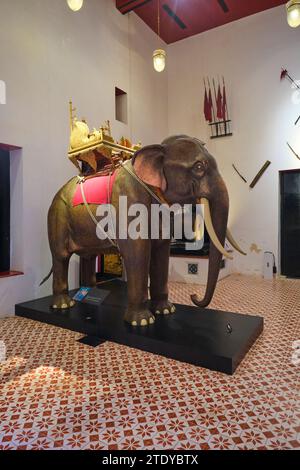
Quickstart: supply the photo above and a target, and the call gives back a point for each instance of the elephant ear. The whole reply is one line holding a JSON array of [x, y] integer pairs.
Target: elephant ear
[[148, 165]]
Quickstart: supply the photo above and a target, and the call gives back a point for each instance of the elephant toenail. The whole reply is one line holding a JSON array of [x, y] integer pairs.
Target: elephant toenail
[[64, 306], [144, 322], [173, 309], [157, 312], [134, 323], [54, 306], [151, 321], [72, 303], [166, 311]]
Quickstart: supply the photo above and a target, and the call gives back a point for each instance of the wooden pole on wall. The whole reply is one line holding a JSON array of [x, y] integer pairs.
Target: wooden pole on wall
[[260, 173]]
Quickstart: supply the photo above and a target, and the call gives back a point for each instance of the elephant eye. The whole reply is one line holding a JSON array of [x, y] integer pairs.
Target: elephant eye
[[200, 167]]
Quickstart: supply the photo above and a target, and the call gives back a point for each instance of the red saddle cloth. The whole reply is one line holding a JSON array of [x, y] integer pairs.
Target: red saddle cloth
[[95, 190]]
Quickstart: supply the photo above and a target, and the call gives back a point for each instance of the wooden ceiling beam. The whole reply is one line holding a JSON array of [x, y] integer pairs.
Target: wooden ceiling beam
[[125, 6]]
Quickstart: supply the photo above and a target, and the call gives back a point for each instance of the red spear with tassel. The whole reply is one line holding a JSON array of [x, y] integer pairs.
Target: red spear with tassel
[[225, 109], [207, 105]]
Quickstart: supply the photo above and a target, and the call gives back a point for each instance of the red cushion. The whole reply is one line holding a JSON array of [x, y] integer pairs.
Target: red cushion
[[95, 190]]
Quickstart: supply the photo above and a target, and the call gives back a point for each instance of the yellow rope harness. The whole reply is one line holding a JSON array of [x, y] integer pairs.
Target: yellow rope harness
[[128, 167]]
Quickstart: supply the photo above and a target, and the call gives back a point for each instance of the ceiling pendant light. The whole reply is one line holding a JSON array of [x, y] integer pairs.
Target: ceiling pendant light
[[75, 5], [293, 13], [159, 60], [159, 55]]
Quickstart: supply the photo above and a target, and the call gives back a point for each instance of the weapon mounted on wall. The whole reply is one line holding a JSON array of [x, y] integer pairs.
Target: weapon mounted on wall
[[216, 111]]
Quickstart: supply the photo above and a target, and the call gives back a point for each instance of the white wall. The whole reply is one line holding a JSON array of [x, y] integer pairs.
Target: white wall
[[250, 54], [48, 54]]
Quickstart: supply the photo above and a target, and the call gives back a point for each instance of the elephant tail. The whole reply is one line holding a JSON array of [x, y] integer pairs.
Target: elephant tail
[[46, 278]]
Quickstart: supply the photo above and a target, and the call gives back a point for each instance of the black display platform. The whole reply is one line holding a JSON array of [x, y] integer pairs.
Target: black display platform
[[197, 336]]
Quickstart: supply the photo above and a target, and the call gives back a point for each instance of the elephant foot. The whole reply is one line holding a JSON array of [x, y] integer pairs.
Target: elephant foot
[[162, 307], [139, 316], [63, 301]]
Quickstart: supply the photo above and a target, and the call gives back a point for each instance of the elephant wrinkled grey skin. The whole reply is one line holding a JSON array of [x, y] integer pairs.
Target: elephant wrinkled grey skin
[[185, 173]]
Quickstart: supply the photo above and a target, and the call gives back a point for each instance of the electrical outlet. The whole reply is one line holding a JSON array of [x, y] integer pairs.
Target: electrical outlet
[[193, 269]]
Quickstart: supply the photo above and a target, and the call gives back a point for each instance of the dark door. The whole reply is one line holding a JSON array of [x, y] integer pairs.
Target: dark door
[[4, 211], [290, 223]]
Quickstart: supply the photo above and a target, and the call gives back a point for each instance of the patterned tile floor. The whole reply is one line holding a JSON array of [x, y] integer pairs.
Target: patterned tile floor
[[58, 394]]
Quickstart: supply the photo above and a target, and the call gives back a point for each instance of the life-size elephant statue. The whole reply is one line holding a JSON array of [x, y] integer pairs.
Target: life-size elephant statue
[[184, 172]]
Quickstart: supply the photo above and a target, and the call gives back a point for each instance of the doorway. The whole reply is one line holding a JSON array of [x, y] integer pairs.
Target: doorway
[[4, 211], [290, 223]]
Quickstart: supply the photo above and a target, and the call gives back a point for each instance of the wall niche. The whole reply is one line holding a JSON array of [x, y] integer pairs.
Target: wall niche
[[121, 105]]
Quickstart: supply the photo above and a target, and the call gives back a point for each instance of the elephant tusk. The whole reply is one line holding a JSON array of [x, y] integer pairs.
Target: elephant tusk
[[233, 243], [199, 227], [211, 230]]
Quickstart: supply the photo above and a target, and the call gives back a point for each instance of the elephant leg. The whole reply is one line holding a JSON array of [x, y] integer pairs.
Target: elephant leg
[[159, 271], [59, 240], [88, 271], [137, 260], [61, 299]]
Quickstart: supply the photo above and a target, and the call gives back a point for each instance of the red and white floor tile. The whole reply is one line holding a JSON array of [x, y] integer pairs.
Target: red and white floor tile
[[58, 394]]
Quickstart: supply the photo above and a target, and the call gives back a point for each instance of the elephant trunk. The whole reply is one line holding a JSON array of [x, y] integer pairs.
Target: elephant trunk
[[216, 218]]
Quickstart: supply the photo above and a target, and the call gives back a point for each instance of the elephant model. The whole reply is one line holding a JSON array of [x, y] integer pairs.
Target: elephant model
[[182, 171]]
